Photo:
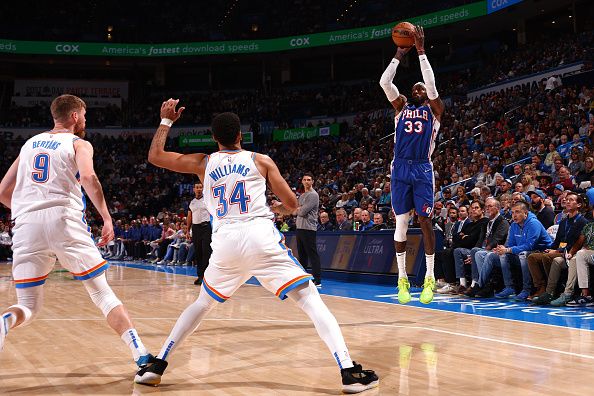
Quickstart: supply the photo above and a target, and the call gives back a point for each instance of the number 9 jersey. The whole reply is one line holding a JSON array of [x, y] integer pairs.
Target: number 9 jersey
[[47, 175], [234, 189]]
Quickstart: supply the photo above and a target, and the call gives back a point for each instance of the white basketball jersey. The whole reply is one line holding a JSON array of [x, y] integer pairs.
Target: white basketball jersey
[[234, 189], [47, 175]]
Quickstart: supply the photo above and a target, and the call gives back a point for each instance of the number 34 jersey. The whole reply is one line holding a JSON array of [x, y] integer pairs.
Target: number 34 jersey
[[234, 189], [416, 130], [47, 175]]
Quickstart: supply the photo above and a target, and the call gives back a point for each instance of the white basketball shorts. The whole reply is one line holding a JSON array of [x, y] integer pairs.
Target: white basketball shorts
[[252, 248], [44, 235]]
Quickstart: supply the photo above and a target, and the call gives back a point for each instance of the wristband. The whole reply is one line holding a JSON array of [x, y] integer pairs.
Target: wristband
[[166, 121]]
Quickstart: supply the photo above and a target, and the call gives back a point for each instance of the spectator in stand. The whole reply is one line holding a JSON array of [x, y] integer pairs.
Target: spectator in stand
[[461, 198], [495, 235], [581, 259], [378, 222], [552, 261], [557, 165], [386, 197], [586, 174], [544, 183], [559, 199], [449, 226], [543, 213], [444, 259], [352, 202], [357, 219], [344, 200], [325, 224], [506, 187], [471, 236], [280, 223], [134, 238], [366, 199], [565, 179], [575, 164], [342, 222], [5, 243], [552, 157], [526, 235], [366, 222]]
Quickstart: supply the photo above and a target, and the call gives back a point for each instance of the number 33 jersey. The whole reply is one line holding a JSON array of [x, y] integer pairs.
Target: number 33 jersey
[[416, 130], [47, 175], [234, 189]]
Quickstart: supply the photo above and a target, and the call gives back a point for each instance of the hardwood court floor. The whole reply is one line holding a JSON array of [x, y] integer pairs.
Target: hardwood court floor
[[256, 345]]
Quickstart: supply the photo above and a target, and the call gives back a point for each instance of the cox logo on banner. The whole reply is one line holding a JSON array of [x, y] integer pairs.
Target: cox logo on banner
[[496, 5], [299, 42], [67, 48]]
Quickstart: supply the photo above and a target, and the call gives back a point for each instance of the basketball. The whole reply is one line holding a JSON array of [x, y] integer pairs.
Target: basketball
[[403, 35]]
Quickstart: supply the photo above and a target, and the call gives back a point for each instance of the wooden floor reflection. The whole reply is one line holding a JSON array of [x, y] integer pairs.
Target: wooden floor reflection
[[255, 344]]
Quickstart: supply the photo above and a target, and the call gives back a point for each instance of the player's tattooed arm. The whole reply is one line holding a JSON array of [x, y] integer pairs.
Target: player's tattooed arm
[[183, 163]]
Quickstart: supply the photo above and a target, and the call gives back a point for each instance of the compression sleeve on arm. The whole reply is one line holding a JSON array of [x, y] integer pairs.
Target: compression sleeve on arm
[[386, 81], [428, 77]]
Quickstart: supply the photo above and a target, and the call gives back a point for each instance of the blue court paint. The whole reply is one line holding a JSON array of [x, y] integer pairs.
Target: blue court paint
[[578, 318]]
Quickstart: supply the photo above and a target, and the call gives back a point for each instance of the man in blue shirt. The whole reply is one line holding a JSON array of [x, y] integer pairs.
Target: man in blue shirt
[[526, 235]]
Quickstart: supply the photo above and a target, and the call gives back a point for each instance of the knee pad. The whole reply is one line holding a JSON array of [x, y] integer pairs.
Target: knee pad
[[101, 294], [401, 227]]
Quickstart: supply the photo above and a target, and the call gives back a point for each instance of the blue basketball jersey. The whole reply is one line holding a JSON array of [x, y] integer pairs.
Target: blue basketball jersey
[[416, 130]]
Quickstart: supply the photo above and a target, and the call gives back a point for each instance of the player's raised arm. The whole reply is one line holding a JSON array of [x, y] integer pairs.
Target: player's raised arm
[[278, 185], [435, 101], [8, 182], [183, 163], [386, 82]]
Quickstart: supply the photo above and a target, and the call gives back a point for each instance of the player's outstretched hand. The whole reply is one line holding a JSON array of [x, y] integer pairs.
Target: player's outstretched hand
[[168, 110], [419, 34], [106, 234]]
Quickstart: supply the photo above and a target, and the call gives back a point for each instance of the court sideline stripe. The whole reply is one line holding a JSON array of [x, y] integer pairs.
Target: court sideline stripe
[[528, 346]]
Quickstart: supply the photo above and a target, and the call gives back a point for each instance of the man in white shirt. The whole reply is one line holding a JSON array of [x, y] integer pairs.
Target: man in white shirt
[[199, 223]]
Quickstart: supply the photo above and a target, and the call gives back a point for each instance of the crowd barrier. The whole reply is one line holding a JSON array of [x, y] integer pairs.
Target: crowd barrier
[[370, 252]]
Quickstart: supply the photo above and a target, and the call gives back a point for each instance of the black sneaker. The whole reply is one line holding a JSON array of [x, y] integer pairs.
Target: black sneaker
[[581, 301], [355, 379], [198, 281], [485, 292], [151, 373], [543, 299], [473, 291], [317, 283]]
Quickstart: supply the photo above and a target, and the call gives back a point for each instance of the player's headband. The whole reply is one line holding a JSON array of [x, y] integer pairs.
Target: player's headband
[[420, 83]]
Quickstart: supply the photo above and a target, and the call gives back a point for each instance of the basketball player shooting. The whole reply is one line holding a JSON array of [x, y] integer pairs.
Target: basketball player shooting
[[245, 241], [43, 190], [416, 123]]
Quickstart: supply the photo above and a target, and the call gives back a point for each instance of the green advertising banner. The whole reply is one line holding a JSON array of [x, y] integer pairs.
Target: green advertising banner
[[444, 17], [285, 135], [207, 140]]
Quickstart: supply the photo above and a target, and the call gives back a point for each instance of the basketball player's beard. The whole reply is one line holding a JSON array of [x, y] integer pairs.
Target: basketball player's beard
[[416, 102], [81, 134]]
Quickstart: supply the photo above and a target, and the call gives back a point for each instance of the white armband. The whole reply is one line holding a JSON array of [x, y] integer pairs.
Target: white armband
[[386, 81], [428, 77], [166, 121]]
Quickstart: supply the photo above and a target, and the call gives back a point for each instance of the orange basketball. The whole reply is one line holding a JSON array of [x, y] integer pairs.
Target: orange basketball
[[403, 35]]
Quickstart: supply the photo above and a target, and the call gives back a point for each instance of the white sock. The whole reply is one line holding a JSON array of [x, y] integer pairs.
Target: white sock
[[401, 260], [131, 338], [463, 282], [473, 283], [309, 300], [187, 323], [430, 261]]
